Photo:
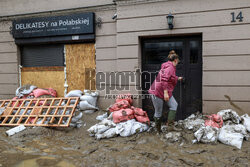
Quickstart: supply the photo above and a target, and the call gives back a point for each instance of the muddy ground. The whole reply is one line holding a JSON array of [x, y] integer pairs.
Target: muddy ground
[[71, 147]]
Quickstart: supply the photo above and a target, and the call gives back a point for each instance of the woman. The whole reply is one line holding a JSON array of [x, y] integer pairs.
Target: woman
[[162, 89]]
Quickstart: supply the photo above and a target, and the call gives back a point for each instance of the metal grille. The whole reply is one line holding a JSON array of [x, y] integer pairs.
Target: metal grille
[[50, 112]]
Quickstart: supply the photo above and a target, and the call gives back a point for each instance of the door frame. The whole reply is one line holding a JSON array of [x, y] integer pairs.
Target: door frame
[[185, 38]]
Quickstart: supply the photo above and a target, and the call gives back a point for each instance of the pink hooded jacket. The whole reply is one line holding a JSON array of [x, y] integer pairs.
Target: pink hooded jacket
[[165, 80]]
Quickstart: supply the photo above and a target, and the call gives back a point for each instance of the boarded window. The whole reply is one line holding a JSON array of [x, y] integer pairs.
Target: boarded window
[[42, 55]]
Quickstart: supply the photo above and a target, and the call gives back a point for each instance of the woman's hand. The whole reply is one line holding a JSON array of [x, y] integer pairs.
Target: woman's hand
[[166, 96], [180, 78]]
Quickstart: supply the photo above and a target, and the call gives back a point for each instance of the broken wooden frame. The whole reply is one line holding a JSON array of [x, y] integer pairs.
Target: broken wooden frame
[[50, 112]]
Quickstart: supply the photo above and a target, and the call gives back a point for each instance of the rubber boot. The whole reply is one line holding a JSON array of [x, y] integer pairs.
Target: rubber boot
[[158, 124], [171, 118]]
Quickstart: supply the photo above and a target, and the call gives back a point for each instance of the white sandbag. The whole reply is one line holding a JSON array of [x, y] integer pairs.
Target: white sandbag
[[89, 111], [246, 121], [90, 99], [107, 134], [24, 90], [98, 129], [126, 126], [74, 93], [102, 117], [193, 122], [84, 105], [207, 134], [232, 135], [15, 130], [229, 114], [76, 118]]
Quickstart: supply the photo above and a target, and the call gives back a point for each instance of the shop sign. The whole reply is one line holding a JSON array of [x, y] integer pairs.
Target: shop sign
[[54, 26]]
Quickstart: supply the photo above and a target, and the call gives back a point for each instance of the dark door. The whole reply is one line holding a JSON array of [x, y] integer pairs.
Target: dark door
[[188, 93]]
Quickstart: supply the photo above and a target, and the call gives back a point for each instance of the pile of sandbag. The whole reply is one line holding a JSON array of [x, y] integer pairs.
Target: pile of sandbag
[[226, 126], [107, 128], [123, 110], [124, 120], [88, 100], [31, 91]]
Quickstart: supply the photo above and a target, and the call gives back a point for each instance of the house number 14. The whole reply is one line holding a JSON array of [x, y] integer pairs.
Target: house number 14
[[239, 17]]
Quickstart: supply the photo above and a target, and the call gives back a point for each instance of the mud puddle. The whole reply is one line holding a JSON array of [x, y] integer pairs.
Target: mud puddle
[[74, 147]]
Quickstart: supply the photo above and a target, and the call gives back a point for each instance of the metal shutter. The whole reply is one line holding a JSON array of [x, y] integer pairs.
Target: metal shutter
[[42, 55]]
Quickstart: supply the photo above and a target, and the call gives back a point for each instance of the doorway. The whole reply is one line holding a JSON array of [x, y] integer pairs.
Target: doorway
[[187, 93]]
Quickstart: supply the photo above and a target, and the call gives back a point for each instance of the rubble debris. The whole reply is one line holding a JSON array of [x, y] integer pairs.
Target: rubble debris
[[173, 136], [193, 122], [15, 130], [246, 121], [207, 134], [229, 114], [232, 135], [38, 112]]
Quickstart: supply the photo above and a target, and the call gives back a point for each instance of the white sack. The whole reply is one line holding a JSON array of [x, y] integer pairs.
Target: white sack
[[246, 121], [89, 111], [74, 93], [193, 122], [232, 135], [84, 105], [90, 99], [76, 118], [102, 117], [207, 134], [229, 114], [108, 134]]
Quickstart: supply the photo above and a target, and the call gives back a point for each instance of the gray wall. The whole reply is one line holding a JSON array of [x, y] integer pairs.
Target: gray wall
[[226, 53]]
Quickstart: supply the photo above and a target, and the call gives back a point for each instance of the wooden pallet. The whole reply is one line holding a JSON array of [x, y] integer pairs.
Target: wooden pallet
[[50, 112]]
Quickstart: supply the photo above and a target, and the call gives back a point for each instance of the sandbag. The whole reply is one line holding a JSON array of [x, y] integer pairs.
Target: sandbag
[[141, 116], [107, 134], [207, 134], [232, 135], [90, 99], [89, 111], [123, 115], [246, 121], [229, 114], [24, 90], [40, 92], [74, 93], [119, 105], [193, 122], [102, 117], [214, 120], [84, 105]]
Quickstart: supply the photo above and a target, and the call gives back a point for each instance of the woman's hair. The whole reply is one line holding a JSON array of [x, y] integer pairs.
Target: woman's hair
[[172, 56]]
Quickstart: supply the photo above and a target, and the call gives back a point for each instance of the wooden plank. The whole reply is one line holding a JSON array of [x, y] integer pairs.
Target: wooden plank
[[8, 88], [236, 62], [105, 53], [212, 107], [208, 33], [80, 57], [45, 79], [106, 41], [8, 57], [213, 18], [226, 47], [226, 78], [6, 37], [9, 68], [9, 78], [8, 47], [106, 29], [180, 6], [218, 93], [39, 112]]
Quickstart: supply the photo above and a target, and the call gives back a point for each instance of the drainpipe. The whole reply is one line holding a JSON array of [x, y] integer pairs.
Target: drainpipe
[[65, 73], [20, 76]]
